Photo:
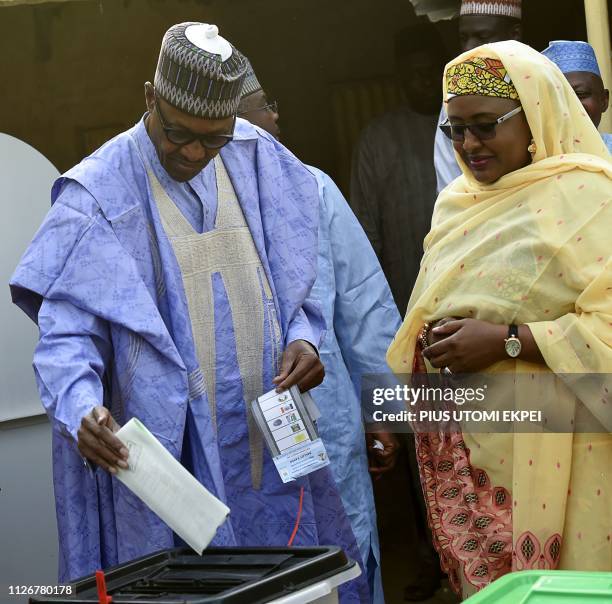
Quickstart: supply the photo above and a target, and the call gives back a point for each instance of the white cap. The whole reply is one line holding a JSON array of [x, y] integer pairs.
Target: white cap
[[206, 37]]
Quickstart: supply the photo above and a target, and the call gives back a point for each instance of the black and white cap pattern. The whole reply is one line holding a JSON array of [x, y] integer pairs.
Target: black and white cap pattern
[[251, 83], [199, 72]]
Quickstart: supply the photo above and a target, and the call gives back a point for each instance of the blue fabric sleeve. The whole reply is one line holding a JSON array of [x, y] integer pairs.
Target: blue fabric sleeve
[[73, 345], [69, 362], [365, 316], [66, 223], [307, 325]]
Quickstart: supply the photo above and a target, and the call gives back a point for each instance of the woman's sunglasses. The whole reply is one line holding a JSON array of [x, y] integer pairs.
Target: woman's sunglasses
[[482, 131]]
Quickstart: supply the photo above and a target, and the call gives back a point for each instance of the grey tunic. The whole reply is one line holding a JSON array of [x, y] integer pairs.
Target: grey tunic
[[393, 190]]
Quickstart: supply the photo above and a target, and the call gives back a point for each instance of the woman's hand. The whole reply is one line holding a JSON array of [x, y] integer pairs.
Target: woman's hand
[[434, 336], [466, 345]]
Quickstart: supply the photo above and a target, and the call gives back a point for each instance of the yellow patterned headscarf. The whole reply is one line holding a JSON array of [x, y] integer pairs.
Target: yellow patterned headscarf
[[480, 76]]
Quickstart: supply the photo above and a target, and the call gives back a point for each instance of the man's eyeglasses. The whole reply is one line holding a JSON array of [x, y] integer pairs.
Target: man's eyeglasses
[[482, 131], [271, 107], [181, 137]]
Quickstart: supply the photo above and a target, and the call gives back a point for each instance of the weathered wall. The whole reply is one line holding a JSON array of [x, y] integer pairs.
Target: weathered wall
[[75, 67], [73, 72]]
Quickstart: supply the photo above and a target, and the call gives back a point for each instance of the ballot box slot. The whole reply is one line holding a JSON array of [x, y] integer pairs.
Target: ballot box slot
[[206, 575], [242, 561], [177, 587]]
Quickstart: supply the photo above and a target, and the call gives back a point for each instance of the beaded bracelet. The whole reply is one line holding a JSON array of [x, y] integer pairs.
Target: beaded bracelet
[[423, 336]]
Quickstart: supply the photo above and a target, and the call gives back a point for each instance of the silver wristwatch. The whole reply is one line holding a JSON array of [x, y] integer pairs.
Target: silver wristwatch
[[512, 344]]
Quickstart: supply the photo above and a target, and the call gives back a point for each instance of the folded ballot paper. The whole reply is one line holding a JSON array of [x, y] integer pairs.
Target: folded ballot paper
[[191, 511]]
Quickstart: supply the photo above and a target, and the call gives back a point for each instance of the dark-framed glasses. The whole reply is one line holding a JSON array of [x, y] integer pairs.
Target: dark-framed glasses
[[272, 107], [181, 137], [482, 131]]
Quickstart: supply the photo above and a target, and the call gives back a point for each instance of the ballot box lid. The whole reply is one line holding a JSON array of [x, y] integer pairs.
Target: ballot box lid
[[223, 575], [547, 587]]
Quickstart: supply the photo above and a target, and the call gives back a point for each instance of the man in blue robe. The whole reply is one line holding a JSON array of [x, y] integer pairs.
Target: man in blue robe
[[169, 282], [361, 319], [578, 63]]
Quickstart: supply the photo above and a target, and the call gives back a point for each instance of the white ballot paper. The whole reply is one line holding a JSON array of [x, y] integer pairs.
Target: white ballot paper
[[190, 510]]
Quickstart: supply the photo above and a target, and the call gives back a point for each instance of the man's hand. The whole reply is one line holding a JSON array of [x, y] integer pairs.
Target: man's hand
[[466, 345], [300, 365], [98, 443], [381, 460]]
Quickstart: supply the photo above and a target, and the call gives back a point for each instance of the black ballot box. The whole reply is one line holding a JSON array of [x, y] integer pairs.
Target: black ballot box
[[224, 575]]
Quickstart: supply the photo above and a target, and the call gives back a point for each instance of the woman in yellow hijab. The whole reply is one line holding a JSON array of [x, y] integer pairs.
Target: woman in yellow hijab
[[516, 277]]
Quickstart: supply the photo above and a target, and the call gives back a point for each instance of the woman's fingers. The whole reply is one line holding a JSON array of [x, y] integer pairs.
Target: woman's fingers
[[448, 327], [445, 346], [444, 360]]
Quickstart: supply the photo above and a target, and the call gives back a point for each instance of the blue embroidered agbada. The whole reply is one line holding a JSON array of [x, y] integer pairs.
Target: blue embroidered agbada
[[361, 319], [102, 281]]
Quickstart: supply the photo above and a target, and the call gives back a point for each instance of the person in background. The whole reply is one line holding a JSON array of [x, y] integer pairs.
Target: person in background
[[577, 61], [361, 320], [392, 179], [480, 22], [392, 193], [169, 281]]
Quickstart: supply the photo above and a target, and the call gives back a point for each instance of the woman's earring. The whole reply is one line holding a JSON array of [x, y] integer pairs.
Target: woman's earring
[[532, 147]]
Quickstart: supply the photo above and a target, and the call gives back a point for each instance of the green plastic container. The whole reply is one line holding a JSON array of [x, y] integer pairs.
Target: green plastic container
[[547, 587]]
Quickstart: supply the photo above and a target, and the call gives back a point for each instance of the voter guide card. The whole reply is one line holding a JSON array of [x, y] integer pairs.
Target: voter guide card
[[286, 420]]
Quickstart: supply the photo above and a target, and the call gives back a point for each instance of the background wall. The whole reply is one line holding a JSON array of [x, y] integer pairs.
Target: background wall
[[77, 69], [74, 71], [28, 534], [28, 542]]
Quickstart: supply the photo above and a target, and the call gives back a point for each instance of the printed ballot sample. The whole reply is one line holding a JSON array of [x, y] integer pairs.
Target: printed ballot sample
[[189, 509], [286, 421]]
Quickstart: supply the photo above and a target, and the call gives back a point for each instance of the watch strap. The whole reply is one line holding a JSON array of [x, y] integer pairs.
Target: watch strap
[[513, 331]]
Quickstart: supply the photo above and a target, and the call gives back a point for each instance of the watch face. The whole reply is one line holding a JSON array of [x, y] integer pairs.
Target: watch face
[[513, 347]]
